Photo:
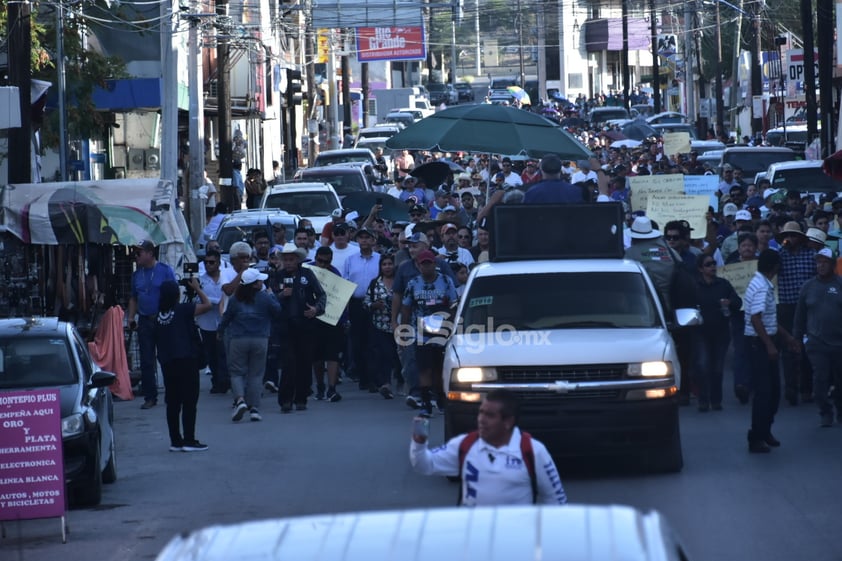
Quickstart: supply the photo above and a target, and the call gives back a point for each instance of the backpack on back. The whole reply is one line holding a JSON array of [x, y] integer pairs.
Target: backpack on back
[[525, 451]]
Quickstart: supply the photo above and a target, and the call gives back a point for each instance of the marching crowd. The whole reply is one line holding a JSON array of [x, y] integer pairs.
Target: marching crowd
[[261, 332]]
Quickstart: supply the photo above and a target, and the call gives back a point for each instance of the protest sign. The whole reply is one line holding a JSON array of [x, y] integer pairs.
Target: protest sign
[[31, 461], [676, 143], [703, 185], [693, 208], [739, 275], [644, 185], [338, 290]]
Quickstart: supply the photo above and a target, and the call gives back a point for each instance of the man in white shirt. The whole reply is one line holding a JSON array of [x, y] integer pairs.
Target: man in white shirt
[[496, 465], [585, 173], [342, 246], [451, 250], [512, 177], [212, 280]]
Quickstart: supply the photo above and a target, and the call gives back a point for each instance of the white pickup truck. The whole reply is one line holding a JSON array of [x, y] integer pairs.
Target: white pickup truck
[[583, 341]]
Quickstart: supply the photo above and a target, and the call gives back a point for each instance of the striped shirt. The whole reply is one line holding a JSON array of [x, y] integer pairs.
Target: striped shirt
[[760, 299]]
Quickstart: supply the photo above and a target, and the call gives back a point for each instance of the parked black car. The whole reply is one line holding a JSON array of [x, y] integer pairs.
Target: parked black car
[[465, 91], [39, 353], [442, 93]]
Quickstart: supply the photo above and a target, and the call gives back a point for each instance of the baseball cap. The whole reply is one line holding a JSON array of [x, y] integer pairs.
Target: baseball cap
[[146, 245], [825, 252], [251, 275], [336, 213], [448, 226], [364, 232], [442, 192], [418, 208], [742, 215], [499, 175], [730, 209], [426, 256], [417, 237]]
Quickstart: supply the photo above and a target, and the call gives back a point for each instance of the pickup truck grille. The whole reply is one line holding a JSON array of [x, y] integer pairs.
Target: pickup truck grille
[[545, 397], [583, 373]]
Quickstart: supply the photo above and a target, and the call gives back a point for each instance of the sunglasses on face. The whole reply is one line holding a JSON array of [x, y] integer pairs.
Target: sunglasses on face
[[672, 238], [323, 261], [212, 262]]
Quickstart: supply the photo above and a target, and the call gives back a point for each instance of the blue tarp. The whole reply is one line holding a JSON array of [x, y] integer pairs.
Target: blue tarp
[[128, 94]]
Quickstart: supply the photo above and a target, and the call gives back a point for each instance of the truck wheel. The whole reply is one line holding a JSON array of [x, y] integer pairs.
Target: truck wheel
[[670, 458], [89, 491]]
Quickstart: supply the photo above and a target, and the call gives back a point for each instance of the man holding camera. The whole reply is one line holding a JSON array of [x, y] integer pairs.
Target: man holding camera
[[145, 293], [451, 250]]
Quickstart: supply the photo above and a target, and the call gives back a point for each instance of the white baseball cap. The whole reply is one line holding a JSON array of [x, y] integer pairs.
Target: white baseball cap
[[743, 215]]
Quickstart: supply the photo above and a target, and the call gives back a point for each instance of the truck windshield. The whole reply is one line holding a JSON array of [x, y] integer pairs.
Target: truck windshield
[[559, 301]]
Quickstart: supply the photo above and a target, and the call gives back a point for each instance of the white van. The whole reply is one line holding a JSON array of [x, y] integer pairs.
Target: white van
[[806, 176], [503, 533]]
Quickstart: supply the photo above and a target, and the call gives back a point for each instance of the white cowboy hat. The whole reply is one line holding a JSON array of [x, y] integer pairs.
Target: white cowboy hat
[[641, 229]]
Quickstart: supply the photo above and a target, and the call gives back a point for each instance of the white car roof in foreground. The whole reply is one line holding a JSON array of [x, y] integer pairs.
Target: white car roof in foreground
[[521, 533], [557, 266]]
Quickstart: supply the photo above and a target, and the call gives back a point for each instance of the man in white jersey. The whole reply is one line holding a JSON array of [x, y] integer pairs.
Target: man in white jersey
[[498, 464]]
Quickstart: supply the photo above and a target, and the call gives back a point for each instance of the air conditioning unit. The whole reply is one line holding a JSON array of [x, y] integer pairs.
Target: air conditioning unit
[[153, 159], [137, 159]]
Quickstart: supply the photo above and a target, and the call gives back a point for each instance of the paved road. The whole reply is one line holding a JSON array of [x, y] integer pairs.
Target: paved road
[[725, 504]]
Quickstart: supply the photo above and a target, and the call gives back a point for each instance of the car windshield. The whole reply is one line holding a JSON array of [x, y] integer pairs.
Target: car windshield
[[343, 183], [435, 87], [755, 161], [812, 179], [531, 302], [342, 158], [33, 362], [608, 114], [230, 234], [303, 204]]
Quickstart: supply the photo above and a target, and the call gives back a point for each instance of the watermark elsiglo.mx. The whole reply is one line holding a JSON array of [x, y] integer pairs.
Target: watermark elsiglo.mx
[[475, 337]]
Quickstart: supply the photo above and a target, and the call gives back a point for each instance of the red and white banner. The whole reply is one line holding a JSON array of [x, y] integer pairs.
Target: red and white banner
[[390, 43]]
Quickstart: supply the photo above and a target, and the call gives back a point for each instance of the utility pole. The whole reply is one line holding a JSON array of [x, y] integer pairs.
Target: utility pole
[[223, 106], [810, 69], [720, 101], [309, 62], [624, 55], [20, 74], [62, 92], [347, 119], [364, 85], [520, 44], [169, 148], [689, 84], [756, 78], [333, 93], [542, 50], [478, 53], [196, 207], [656, 76], [825, 27]]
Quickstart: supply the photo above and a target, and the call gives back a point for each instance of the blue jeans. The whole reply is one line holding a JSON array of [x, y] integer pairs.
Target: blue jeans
[[215, 355], [409, 369], [826, 361], [766, 384], [384, 358], [148, 366], [710, 363]]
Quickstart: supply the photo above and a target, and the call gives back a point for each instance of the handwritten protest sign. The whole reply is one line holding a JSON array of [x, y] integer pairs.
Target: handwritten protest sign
[[703, 185], [676, 143], [665, 207], [738, 274], [642, 186], [32, 472], [338, 290]]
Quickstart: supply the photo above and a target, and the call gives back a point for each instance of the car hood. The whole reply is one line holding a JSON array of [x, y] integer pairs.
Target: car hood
[[318, 222], [562, 346], [70, 397]]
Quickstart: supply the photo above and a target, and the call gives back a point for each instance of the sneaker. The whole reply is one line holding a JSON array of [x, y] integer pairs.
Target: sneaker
[[149, 404], [271, 386], [239, 410], [254, 415], [319, 395], [414, 402], [176, 448], [333, 396], [194, 446], [386, 392], [758, 447], [286, 407], [301, 407]]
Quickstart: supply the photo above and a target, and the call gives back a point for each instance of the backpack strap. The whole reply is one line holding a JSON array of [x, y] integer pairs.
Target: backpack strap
[[529, 459], [469, 440]]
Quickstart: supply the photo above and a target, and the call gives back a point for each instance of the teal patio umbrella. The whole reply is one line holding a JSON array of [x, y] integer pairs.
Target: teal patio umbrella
[[491, 129]]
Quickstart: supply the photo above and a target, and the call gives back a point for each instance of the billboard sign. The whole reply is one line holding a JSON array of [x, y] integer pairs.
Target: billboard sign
[[31, 462], [390, 43]]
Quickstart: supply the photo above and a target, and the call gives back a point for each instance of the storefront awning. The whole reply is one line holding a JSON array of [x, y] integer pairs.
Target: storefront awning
[[607, 34], [129, 94]]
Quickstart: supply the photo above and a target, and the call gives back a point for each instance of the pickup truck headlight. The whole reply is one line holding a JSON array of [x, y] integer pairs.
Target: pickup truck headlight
[[473, 374], [72, 425], [654, 369]]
